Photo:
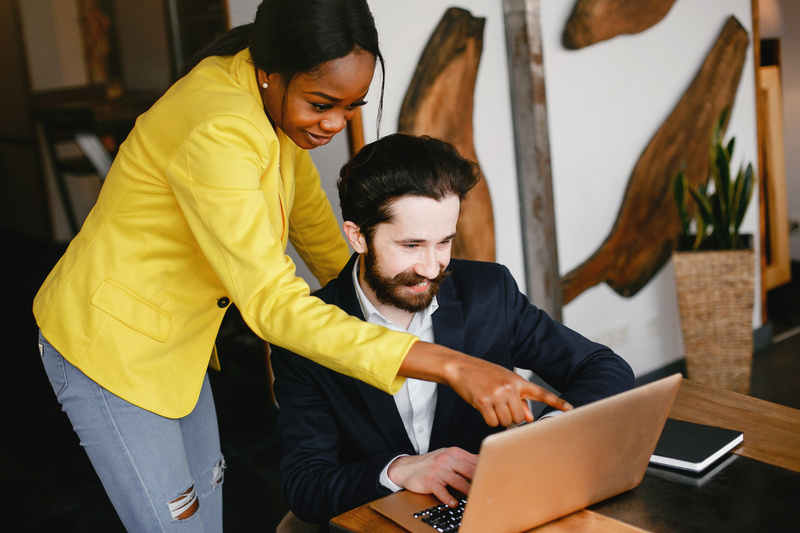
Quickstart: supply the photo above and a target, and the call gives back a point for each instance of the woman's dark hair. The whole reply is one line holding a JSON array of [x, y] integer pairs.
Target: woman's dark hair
[[290, 37], [400, 165]]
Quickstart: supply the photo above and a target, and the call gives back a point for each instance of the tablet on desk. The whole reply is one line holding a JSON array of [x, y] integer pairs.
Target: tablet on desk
[[693, 447]]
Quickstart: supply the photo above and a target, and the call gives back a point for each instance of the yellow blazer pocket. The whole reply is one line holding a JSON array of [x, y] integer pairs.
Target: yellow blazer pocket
[[132, 310]]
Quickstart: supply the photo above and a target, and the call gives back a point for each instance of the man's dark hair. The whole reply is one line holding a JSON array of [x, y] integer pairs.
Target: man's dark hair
[[400, 165]]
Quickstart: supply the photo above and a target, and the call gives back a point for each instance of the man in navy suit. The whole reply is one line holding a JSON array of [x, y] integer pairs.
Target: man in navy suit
[[345, 443]]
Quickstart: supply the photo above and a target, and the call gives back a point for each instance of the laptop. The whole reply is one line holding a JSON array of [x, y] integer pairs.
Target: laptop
[[538, 472]]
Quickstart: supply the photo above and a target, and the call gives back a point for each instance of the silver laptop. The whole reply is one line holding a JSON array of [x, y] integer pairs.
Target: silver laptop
[[538, 472]]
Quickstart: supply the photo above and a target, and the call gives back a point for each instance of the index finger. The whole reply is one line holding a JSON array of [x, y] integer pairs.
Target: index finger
[[534, 392], [444, 496]]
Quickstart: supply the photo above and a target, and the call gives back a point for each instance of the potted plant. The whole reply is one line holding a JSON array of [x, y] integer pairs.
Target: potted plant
[[715, 268]]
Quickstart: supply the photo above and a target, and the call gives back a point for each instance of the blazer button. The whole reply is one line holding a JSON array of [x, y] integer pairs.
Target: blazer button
[[223, 302]]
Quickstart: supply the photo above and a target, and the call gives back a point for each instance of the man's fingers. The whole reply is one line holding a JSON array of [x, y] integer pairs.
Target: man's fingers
[[460, 484], [433, 472], [444, 496], [457, 470]]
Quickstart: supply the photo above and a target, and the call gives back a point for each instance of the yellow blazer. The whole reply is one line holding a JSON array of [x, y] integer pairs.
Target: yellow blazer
[[195, 214]]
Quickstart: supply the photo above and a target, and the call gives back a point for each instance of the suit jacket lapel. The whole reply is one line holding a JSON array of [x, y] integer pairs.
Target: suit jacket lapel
[[381, 405], [448, 330]]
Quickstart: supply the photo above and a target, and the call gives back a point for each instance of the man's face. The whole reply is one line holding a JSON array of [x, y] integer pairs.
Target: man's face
[[404, 262]]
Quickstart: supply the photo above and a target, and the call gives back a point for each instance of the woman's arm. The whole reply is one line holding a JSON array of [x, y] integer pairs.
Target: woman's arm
[[498, 393], [313, 228]]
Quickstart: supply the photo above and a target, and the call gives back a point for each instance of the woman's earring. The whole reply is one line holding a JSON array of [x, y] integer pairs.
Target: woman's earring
[[265, 85]]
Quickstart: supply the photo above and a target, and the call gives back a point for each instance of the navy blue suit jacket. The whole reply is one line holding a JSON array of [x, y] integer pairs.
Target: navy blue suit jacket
[[338, 433]]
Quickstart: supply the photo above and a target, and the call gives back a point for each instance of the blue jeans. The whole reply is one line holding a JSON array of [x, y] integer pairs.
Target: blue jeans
[[161, 474]]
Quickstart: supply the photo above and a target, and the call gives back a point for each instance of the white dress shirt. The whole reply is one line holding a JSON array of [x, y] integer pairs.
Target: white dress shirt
[[416, 400]]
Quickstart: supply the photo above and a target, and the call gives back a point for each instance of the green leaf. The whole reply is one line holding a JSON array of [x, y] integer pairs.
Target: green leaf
[[701, 234], [722, 183], [720, 230], [704, 208], [719, 126], [716, 139], [744, 186], [679, 184], [722, 199]]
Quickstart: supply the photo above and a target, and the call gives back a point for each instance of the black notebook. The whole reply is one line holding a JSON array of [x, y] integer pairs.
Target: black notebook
[[693, 447]]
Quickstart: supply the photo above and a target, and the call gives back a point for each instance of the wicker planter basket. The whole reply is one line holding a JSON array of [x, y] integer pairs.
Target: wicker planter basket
[[715, 299]]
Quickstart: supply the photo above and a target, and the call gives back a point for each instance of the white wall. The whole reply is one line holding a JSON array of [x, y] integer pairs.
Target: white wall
[[790, 72], [242, 11], [404, 29], [605, 103]]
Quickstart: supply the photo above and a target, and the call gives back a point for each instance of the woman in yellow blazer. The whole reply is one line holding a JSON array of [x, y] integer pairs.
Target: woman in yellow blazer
[[194, 215]]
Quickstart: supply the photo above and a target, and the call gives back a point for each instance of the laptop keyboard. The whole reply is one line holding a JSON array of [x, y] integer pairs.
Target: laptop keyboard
[[443, 518]]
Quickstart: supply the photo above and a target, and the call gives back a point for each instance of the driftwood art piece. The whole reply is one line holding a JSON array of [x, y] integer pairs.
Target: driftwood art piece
[[439, 103], [593, 21], [647, 224]]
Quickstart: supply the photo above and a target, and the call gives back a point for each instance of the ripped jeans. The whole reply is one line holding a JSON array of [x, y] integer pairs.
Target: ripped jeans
[[161, 474]]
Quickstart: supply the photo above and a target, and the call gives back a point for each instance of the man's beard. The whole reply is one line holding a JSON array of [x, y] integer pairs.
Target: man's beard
[[389, 290]]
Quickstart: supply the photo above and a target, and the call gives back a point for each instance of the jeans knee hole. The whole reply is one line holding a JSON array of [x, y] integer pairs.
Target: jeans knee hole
[[218, 473], [185, 505]]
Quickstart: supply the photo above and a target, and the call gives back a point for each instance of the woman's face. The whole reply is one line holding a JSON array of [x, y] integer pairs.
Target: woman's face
[[318, 103]]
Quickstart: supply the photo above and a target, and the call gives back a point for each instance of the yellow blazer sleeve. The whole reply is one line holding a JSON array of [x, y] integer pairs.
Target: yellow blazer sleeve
[[238, 216], [313, 228]]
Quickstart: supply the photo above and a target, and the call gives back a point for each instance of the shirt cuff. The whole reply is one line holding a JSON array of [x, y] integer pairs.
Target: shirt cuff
[[551, 414], [384, 477]]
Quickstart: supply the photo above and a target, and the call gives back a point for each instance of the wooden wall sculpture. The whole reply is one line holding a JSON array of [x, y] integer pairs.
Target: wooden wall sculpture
[[593, 21], [642, 237], [439, 103]]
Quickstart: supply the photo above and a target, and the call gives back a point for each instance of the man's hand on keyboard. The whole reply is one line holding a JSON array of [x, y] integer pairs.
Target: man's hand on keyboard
[[433, 472]]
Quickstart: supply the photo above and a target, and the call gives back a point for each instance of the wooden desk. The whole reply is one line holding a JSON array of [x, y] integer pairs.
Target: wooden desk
[[771, 437]]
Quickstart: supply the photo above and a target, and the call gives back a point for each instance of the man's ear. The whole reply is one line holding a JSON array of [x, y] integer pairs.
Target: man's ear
[[355, 237]]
